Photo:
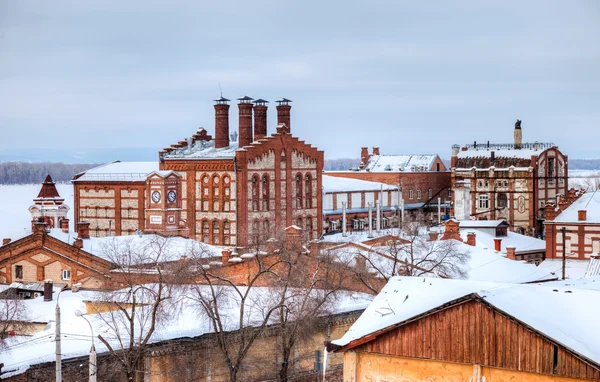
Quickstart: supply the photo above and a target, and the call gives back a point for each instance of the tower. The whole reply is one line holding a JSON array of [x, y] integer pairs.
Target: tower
[[518, 135], [49, 207]]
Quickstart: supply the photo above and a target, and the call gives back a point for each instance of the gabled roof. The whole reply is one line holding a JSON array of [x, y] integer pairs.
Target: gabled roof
[[118, 171], [548, 310], [483, 223], [590, 202], [338, 184]]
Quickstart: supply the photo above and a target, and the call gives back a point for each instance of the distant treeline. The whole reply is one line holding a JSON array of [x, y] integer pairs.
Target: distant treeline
[[584, 164], [33, 173], [341, 164]]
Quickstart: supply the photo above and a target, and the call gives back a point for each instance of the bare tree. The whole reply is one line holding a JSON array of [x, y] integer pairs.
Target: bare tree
[[147, 273], [14, 316]]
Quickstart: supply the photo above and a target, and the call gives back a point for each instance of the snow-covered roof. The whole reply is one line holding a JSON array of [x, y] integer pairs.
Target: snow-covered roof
[[522, 243], [337, 184], [120, 172], [547, 309], [25, 351], [481, 223], [202, 150], [405, 163], [506, 153], [590, 202], [574, 269]]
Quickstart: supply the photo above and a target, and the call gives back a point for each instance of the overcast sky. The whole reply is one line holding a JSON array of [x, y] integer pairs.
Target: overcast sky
[[410, 77]]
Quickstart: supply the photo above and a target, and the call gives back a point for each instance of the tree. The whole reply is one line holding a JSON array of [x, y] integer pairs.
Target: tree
[[148, 272], [409, 252], [14, 316]]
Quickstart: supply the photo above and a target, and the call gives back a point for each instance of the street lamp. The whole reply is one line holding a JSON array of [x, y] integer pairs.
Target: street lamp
[[58, 361], [93, 366]]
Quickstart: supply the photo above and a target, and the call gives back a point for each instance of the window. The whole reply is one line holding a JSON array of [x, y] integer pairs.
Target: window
[[18, 271], [265, 193], [484, 201], [308, 191], [502, 201], [430, 193], [226, 193], [215, 233], [66, 274], [309, 227], [410, 194], [266, 231], [255, 193], [215, 195], [437, 167], [550, 168], [449, 192], [255, 231], [298, 191], [226, 233], [418, 194], [205, 231]]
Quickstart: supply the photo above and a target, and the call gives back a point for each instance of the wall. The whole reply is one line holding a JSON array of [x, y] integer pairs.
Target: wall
[[582, 240]]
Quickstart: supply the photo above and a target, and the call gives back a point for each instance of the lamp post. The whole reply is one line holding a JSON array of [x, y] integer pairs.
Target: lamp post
[[92, 362], [58, 361]]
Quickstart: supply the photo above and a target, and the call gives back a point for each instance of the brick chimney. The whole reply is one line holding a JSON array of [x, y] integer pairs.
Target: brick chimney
[[260, 119], [376, 151], [283, 113], [6, 241], [471, 240], [451, 231], [225, 256], [550, 211], [64, 225], [48, 290], [40, 226], [497, 244], [78, 243], [510, 253], [245, 120], [221, 123], [582, 215], [83, 230], [433, 235], [518, 135], [364, 155]]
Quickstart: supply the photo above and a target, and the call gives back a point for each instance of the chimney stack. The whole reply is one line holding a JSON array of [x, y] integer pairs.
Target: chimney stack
[[433, 235], [550, 211], [48, 290], [221, 123], [225, 256], [376, 151], [260, 119], [64, 225], [6, 241], [518, 135], [83, 230], [497, 244], [582, 215], [245, 120], [364, 155], [510, 253], [283, 113], [471, 240]]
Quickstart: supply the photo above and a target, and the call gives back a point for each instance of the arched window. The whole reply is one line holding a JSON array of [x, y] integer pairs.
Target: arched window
[[418, 194], [255, 231], [410, 194], [226, 190], [266, 231], [308, 191], [226, 233], [299, 191], [215, 232], [265, 192], [502, 200], [205, 231], [299, 222], [309, 227], [430, 193], [215, 193], [204, 191], [255, 193]]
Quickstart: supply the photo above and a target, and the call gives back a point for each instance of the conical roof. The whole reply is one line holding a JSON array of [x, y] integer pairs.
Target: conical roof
[[48, 190]]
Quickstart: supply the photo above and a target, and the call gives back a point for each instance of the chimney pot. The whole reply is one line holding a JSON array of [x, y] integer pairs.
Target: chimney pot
[[471, 240], [433, 235], [260, 119], [83, 230], [245, 121], [376, 151], [64, 225], [225, 256], [78, 243], [6, 241], [582, 215], [283, 113]]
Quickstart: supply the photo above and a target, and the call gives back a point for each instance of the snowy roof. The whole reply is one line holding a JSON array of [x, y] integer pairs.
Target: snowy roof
[[589, 201], [202, 150], [506, 153], [25, 351], [546, 309], [406, 163], [522, 243], [574, 269], [481, 223], [586, 283], [120, 172], [337, 184]]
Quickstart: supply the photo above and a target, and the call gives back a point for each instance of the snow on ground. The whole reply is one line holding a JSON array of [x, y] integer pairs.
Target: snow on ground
[[15, 200], [548, 309]]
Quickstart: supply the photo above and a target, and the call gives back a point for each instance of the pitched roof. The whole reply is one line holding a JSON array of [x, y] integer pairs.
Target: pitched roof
[[546, 309], [405, 163], [118, 171], [590, 202], [48, 190], [338, 184]]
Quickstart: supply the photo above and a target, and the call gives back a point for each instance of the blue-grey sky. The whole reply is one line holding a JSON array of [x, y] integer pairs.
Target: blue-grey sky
[[410, 77]]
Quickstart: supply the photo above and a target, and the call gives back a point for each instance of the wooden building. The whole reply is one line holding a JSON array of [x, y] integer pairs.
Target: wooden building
[[449, 330]]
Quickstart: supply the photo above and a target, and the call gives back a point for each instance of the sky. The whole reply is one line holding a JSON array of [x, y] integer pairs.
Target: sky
[[405, 76]]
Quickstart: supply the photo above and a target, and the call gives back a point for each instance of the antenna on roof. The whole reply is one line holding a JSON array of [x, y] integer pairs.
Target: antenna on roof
[[220, 90]]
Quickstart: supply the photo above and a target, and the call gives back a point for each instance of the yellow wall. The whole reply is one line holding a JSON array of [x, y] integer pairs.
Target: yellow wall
[[371, 367]]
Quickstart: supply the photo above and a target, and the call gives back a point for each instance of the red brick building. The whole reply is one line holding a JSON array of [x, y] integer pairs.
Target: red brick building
[[231, 190], [511, 182], [422, 179]]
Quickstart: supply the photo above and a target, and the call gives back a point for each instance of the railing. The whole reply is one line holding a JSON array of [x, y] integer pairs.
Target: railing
[[511, 146]]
